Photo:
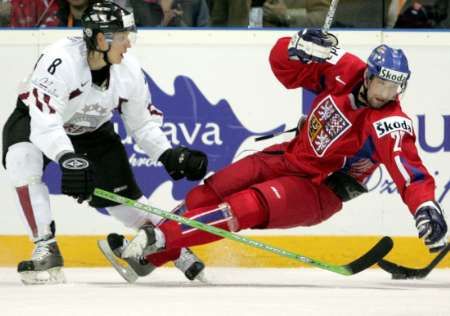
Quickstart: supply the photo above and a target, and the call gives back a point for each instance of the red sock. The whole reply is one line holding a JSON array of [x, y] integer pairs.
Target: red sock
[[246, 210], [160, 258], [200, 196]]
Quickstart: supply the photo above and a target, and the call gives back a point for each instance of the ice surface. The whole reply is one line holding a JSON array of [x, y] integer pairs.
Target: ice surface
[[101, 291]]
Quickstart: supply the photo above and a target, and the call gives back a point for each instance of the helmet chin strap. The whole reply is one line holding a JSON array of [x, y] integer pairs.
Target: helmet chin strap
[[363, 91], [106, 58], [105, 54]]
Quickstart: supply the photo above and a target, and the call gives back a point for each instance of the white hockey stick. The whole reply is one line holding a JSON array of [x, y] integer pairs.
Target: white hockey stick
[[330, 16]]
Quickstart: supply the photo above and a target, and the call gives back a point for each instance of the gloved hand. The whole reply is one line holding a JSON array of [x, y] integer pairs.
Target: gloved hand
[[181, 161], [345, 186], [311, 45], [431, 226], [77, 178]]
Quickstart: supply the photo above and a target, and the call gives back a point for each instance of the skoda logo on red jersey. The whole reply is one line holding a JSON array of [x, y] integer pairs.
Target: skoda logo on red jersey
[[326, 123], [393, 124]]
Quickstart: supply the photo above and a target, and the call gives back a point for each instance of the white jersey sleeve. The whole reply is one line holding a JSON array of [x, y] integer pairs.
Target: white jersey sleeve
[[47, 95], [142, 120]]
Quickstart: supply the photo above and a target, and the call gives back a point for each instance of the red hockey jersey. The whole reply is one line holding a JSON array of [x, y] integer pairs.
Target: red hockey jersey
[[340, 134]]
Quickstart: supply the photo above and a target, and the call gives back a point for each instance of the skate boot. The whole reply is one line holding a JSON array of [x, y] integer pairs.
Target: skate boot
[[45, 266], [141, 266], [148, 240], [138, 266], [192, 267]]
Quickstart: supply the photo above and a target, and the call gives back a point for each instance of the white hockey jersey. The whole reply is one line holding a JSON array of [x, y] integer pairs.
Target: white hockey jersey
[[63, 100]]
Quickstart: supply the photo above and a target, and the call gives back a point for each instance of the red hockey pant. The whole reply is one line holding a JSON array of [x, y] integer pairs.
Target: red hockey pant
[[263, 191]]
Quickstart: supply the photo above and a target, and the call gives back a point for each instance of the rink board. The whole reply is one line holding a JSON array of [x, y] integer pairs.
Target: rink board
[[226, 75], [82, 251]]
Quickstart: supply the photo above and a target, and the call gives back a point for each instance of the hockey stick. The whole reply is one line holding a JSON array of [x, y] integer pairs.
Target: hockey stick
[[326, 27], [376, 253], [330, 16], [267, 136], [401, 272]]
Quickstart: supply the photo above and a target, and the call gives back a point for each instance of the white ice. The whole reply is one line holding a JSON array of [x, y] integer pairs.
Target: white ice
[[260, 292]]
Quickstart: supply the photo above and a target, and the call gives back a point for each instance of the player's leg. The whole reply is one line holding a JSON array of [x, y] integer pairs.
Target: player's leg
[[113, 173], [24, 165], [228, 180], [232, 178], [278, 203]]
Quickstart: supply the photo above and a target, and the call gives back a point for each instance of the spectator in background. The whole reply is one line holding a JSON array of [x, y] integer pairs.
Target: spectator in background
[[191, 13], [423, 14], [146, 12], [70, 12], [394, 8], [5, 12], [230, 12], [295, 13], [33, 13]]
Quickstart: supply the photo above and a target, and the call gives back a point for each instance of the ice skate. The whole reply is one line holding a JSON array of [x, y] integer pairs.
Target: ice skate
[[130, 268], [148, 240], [45, 266], [192, 267]]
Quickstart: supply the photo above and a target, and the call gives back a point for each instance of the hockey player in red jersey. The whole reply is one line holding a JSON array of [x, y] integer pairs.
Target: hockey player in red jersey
[[356, 124]]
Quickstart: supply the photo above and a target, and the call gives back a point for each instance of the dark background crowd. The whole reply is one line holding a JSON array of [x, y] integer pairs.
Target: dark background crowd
[[237, 13]]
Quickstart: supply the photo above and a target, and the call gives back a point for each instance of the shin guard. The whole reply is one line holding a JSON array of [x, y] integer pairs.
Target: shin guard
[[242, 210]]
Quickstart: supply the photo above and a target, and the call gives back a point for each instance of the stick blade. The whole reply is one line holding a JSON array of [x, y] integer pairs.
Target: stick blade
[[374, 255], [400, 272]]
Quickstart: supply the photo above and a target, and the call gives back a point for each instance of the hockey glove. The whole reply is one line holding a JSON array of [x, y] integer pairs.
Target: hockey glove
[[183, 162], [431, 226], [311, 45], [344, 186], [77, 178]]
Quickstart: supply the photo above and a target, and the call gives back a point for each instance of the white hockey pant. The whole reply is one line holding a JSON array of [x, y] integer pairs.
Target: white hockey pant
[[133, 217], [24, 166]]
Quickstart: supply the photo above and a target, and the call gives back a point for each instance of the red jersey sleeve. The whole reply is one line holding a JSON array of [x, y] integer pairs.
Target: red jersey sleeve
[[316, 77], [293, 73], [396, 149]]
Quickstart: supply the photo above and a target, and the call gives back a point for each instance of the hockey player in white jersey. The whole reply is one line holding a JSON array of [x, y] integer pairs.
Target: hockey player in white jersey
[[63, 115]]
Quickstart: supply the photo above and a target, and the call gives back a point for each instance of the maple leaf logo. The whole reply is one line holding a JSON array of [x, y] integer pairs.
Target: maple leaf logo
[[189, 120]]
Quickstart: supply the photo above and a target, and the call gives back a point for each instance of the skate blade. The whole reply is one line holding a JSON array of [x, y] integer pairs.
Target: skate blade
[[50, 276], [201, 277], [121, 266]]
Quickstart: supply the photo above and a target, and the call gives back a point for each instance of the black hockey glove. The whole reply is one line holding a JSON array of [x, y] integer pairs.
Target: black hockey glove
[[431, 226], [183, 162], [344, 186], [77, 178]]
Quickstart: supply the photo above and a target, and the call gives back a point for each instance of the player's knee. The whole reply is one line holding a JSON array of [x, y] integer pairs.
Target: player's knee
[[201, 196], [131, 216], [248, 210], [24, 164]]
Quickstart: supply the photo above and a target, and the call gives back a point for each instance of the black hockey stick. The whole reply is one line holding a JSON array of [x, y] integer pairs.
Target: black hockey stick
[[401, 272], [267, 136]]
